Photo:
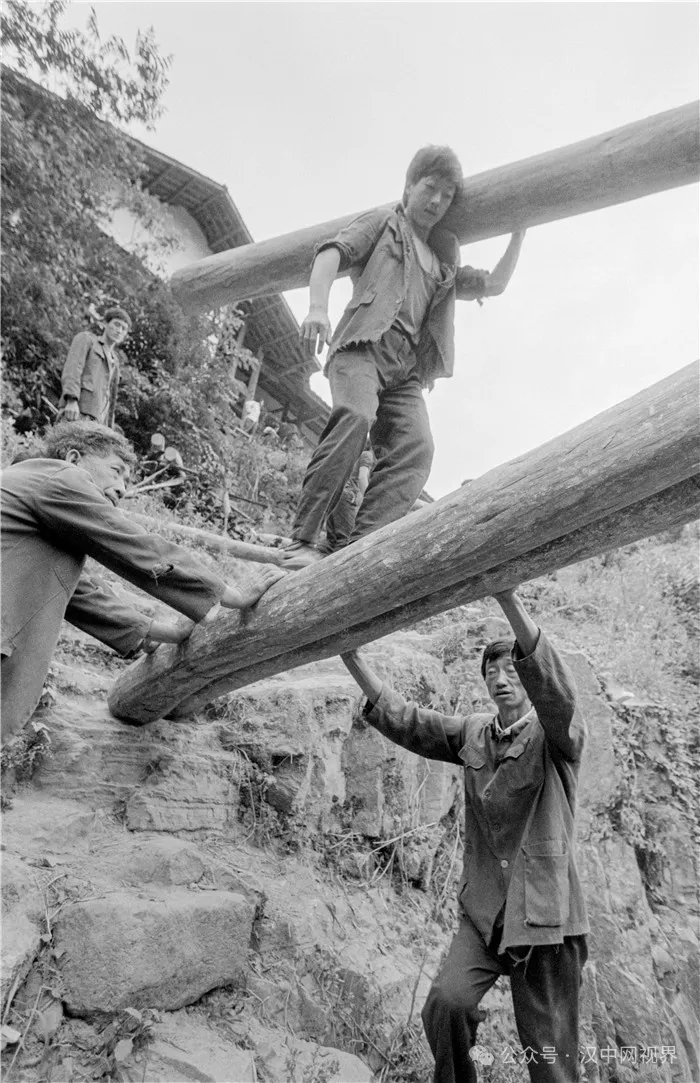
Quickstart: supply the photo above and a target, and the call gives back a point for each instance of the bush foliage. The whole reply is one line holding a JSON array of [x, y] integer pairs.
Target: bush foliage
[[65, 169]]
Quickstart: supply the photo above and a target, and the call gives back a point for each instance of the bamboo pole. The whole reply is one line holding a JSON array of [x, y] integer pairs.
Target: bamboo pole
[[639, 159]]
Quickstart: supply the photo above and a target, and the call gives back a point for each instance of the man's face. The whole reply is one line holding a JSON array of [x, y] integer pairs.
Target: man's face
[[428, 200], [504, 686], [109, 472], [116, 331]]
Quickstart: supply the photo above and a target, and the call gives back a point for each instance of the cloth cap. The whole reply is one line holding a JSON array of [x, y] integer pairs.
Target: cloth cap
[[117, 313]]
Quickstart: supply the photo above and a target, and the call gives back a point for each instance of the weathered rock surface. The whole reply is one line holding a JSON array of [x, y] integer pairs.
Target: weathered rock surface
[[269, 850], [185, 1050], [22, 908], [293, 1058], [130, 951]]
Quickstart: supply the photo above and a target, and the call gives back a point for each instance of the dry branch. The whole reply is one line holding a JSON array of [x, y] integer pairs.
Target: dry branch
[[216, 544]]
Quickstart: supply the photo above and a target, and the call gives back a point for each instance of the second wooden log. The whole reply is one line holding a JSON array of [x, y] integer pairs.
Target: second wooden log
[[647, 156], [635, 450]]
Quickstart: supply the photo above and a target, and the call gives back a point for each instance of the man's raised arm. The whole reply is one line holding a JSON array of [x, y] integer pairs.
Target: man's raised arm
[[546, 678], [495, 281], [431, 734]]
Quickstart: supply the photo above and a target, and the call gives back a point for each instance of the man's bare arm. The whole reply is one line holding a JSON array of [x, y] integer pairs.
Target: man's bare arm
[[502, 273], [315, 331], [524, 628], [367, 679], [473, 285]]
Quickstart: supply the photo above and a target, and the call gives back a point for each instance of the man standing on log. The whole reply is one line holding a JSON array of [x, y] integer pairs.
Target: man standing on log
[[90, 378], [522, 907], [60, 509], [395, 338]]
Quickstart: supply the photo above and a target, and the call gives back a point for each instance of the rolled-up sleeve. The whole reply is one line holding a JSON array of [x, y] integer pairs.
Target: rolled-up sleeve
[[356, 240], [471, 284]]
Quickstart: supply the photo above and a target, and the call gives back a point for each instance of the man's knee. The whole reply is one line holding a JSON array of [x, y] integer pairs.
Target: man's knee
[[424, 451], [447, 1001], [353, 415]]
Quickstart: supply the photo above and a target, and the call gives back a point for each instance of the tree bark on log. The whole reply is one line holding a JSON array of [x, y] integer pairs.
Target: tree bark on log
[[639, 159], [671, 508], [216, 544], [633, 451]]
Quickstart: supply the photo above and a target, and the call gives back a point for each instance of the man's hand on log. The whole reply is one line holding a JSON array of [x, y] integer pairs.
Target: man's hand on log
[[244, 597], [315, 331]]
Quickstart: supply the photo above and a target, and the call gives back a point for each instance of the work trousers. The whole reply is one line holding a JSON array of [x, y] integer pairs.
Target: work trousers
[[341, 521], [545, 985], [376, 389]]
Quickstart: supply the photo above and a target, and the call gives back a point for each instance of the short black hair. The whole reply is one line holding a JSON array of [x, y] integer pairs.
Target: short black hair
[[433, 161], [88, 438], [117, 313], [493, 650]]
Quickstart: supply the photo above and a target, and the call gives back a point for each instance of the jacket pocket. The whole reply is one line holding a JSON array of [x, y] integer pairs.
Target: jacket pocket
[[472, 757], [364, 297], [546, 882], [516, 750]]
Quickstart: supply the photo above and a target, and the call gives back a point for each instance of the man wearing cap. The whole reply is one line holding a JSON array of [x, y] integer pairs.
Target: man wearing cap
[[90, 378]]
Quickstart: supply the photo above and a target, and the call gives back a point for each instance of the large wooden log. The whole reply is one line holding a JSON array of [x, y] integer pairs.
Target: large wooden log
[[648, 156], [671, 508], [631, 452]]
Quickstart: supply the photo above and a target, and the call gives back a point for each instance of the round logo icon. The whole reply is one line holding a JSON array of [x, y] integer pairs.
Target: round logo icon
[[481, 1055]]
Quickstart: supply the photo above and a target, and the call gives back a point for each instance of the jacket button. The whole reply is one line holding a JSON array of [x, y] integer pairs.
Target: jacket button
[[504, 864]]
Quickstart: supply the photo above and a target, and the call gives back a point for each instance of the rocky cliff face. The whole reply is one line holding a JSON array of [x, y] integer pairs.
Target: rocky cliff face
[[265, 892]]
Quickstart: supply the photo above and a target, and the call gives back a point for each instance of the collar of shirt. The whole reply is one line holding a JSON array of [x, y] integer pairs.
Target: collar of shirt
[[108, 348], [507, 734], [446, 269]]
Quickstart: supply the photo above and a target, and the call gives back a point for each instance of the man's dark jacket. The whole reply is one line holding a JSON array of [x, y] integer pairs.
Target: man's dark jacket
[[53, 516], [91, 375], [519, 863]]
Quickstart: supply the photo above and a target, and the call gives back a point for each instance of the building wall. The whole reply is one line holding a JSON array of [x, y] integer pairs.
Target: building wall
[[128, 232], [192, 245]]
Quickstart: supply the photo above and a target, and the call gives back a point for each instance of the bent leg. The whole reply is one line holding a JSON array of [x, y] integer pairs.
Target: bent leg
[[355, 391], [545, 989], [403, 445], [451, 1013]]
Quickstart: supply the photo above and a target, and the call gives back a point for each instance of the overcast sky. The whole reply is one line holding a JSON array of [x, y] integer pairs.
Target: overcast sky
[[308, 111]]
